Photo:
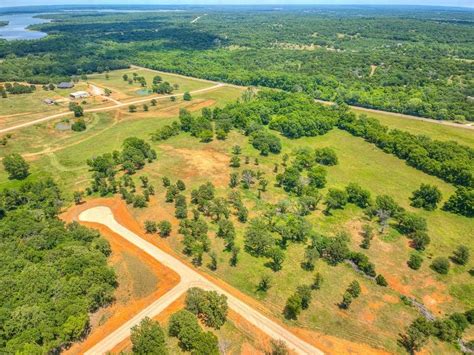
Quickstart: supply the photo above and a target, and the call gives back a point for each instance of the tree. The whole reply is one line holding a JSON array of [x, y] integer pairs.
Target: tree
[[166, 181], [187, 96], [148, 338], [145, 107], [293, 306], [234, 259], [277, 257], [16, 167], [311, 255], [78, 197], [380, 280], [265, 283], [317, 282], [184, 326], [305, 293], [415, 261], [427, 197], [357, 195], [461, 255], [367, 235], [235, 161], [151, 226], [213, 263], [335, 199], [420, 240], [181, 209], [279, 347], [417, 335], [354, 289], [132, 108], [461, 202], [234, 180], [209, 306], [258, 239], [79, 125], [165, 228], [317, 177], [180, 185], [153, 102], [440, 265], [326, 156], [236, 150], [346, 300], [409, 223]]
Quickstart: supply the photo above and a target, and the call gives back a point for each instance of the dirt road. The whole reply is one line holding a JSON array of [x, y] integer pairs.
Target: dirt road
[[189, 278], [108, 108]]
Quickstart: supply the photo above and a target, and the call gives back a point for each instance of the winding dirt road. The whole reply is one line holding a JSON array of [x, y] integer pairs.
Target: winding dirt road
[[189, 278]]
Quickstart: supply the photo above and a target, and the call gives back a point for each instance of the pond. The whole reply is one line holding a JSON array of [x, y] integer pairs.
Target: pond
[[17, 27]]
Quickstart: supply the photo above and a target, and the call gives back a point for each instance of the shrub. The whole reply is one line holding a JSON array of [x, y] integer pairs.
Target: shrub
[[79, 125], [265, 142], [415, 261], [16, 167], [165, 228], [440, 265], [380, 280], [148, 338], [326, 156], [461, 255], [427, 197], [357, 195]]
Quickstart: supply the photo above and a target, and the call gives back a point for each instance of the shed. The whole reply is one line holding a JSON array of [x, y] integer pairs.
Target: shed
[[49, 101], [79, 95], [65, 85]]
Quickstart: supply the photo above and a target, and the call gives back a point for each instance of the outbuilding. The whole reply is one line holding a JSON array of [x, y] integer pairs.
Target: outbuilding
[[49, 101], [79, 95], [65, 85]]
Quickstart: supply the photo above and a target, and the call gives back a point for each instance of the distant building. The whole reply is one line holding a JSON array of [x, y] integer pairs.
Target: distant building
[[79, 95], [49, 101], [65, 85]]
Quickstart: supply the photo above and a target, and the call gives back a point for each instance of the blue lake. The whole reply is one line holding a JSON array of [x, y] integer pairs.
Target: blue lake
[[16, 28]]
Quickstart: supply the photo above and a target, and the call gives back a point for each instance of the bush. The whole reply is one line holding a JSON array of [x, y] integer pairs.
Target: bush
[[461, 255], [427, 197], [79, 125], [461, 202], [151, 227], [165, 228], [380, 280], [440, 265], [326, 156], [415, 261], [148, 338], [357, 195], [265, 142], [209, 306], [16, 167]]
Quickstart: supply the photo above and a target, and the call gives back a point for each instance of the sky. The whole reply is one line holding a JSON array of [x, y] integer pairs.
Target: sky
[[463, 3]]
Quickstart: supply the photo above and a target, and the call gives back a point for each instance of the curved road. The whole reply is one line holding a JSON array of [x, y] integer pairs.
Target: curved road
[[189, 278]]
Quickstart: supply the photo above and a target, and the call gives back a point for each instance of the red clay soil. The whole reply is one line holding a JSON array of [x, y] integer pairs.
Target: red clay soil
[[328, 344], [121, 312]]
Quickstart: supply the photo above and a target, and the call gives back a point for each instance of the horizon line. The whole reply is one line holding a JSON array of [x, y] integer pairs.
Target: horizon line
[[242, 5]]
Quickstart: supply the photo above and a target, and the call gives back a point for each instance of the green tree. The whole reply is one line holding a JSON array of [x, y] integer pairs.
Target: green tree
[[151, 226], [293, 306], [187, 96], [148, 338], [427, 197], [440, 265], [317, 281], [415, 261], [165, 228], [335, 199], [265, 283], [16, 167], [461, 255]]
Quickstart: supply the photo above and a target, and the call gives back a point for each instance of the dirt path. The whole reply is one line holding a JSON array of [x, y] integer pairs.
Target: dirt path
[[198, 18], [189, 278], [108, 108]]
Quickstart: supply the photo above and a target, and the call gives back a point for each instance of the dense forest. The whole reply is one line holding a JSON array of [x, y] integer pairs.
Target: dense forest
[[412, 60], [52, 275]]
